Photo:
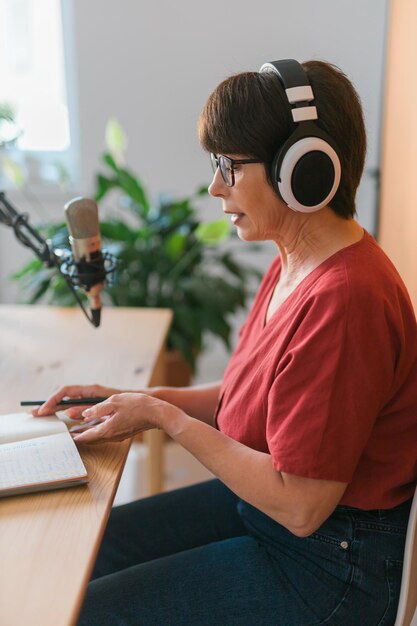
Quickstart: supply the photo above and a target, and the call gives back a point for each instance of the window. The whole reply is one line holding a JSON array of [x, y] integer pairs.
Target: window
[[32, 73]]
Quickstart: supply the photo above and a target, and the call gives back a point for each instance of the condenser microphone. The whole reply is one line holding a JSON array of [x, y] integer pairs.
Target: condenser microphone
[[83, 225]]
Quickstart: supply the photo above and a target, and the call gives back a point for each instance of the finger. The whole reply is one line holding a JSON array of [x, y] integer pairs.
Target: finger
[[75, 412], [51, 404], [79, 428], [69, 391], [102, 409], [94, 434]]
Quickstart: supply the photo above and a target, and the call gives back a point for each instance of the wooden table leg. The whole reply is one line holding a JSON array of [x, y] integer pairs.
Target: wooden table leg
[[154, 440]]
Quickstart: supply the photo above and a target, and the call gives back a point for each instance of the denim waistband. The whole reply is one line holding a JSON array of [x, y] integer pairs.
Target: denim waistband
[[396, 515], [341, 523]]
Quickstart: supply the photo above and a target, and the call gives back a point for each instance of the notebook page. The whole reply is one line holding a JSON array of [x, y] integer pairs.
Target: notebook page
[[40, 460], [20, 426]]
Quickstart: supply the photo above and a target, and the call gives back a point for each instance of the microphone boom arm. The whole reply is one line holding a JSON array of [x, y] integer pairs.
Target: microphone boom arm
[[24, 232]]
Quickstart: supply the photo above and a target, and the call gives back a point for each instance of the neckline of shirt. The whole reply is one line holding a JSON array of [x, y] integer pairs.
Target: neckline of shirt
[[311, 276]]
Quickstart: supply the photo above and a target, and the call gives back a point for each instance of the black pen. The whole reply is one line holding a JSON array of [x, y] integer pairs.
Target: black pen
[[75, 401]]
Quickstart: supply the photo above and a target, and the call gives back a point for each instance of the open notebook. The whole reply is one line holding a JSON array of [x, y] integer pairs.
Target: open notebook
[[36, 454]]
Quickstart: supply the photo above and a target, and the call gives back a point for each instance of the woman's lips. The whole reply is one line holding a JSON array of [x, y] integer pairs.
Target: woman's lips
[[235, 217]]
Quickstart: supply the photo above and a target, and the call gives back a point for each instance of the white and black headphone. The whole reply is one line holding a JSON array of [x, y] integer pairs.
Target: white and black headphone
[[306, 169]]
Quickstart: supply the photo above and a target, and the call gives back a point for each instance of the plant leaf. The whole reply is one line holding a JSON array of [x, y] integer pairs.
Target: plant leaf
[[175, 245], [32, 267], [117, 230], [134, 189], [212, 233], [103, 185], [109, 160], [116, 140]]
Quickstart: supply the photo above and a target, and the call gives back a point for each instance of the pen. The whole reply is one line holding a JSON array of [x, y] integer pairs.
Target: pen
[[75, 401]]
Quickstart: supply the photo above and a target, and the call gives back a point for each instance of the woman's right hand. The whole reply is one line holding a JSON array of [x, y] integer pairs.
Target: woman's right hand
[[52, 404]]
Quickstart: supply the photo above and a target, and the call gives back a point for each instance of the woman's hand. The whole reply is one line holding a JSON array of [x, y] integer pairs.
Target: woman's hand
[[124, 415], [73, 392]]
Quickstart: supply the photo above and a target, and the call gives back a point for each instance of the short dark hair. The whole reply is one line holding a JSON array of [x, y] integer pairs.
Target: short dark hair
[[248, 114]]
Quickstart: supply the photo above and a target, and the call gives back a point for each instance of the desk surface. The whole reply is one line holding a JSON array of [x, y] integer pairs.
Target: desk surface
[[49, 540]]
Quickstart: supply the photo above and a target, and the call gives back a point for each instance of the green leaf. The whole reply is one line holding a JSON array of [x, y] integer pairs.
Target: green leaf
[[103, 185], [117, 230], [31, 267], [109, 160], [39, 292], [211, 233], [175, 213], [116, 140], [175, 246], [202, 191], [134, 189]]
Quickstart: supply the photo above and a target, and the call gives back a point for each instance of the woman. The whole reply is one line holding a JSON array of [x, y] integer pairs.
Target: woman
[[311, 433]]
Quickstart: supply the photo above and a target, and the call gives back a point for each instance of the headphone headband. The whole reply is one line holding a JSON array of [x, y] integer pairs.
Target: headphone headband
[[306, 170], [296, 86]]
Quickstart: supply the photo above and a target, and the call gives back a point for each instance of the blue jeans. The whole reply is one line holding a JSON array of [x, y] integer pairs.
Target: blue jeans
[[200, 556]]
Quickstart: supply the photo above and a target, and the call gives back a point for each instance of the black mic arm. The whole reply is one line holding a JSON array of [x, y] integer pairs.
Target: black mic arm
[[24, 232], [62, 260]]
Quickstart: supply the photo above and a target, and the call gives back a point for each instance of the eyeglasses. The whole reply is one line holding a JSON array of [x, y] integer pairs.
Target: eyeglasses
[[226, 165]]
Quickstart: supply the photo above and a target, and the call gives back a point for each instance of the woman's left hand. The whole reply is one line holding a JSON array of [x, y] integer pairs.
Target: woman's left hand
[[124, 415]]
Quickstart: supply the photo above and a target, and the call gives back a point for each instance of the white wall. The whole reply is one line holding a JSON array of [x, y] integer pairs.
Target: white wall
[[153, 64]]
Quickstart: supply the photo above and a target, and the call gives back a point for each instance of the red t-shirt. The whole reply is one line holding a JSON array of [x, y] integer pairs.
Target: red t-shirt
[[328, 386]]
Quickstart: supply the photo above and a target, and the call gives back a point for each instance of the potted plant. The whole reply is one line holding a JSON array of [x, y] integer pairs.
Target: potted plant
[[167, 258]]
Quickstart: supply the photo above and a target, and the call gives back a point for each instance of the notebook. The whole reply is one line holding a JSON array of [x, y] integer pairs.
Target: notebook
[[37, 454]]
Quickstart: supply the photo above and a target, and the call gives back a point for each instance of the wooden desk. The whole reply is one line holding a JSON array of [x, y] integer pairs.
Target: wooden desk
[[49, 540]]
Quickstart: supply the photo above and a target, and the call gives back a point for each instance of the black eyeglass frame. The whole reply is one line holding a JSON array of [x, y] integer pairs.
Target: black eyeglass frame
[[215, 163]]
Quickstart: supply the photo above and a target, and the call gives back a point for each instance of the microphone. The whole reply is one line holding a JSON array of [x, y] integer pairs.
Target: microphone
[[83, 225]]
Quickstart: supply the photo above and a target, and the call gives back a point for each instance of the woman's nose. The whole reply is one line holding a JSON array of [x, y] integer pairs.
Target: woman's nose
[[217, 185]]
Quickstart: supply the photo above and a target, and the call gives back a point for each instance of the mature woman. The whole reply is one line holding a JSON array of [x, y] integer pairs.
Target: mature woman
[[312, 432]]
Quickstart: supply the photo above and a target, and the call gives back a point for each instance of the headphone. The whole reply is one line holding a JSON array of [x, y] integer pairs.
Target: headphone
[[306, 169]]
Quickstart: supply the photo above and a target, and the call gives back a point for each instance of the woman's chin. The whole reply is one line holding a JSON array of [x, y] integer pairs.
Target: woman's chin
[[246, 234], [241, 234]]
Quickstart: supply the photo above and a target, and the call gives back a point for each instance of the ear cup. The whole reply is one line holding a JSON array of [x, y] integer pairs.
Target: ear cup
[[306, 174], [312, 178]]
